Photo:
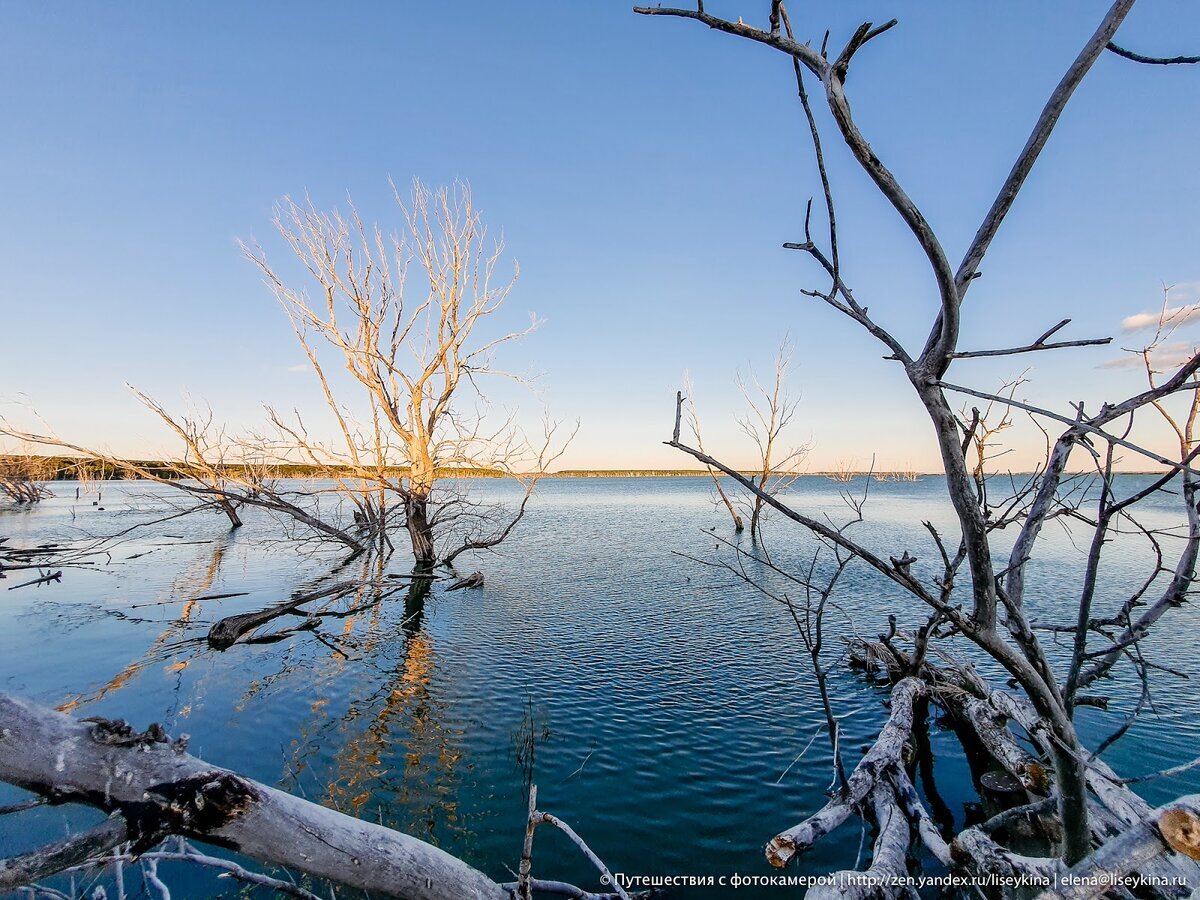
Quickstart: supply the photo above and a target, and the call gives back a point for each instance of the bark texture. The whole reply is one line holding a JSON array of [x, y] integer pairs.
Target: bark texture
[[159, 789]]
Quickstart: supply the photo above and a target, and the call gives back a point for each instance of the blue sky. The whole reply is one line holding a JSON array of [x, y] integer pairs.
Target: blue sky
[[644, 173]]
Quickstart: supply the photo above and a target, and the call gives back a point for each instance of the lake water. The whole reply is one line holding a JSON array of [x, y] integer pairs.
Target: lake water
[[668, 700]]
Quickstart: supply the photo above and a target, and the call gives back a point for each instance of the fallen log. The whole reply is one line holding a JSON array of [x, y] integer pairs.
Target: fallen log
[[474, 580], [1132, 841], [227, 631], [1175, 826], [159, 789], [885, 752], [889, 863], [44, 579], [73, 850], [991, 726]]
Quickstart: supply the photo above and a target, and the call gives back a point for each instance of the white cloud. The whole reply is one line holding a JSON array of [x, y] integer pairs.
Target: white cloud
[[1175, 315], [298, 369], [1186, 300]]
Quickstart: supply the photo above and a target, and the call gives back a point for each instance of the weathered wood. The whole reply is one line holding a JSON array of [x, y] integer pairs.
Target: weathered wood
[[77, 848], [886, 751], [879, 881], [227, 631], [991, 727], [587, 851], [474, 580], [979, 853], [915, 810], [1175, 826], [155, 785]]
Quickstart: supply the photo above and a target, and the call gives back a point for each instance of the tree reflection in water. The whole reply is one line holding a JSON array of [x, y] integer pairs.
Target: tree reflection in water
[[193, 583], [376, 743]]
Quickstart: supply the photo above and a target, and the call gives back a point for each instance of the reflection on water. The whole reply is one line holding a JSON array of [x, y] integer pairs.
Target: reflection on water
[[192, 584], [668, 700]]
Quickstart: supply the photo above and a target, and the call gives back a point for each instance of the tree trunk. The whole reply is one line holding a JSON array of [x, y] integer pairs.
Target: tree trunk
[[229, 630], [1072, 804], [235, 521], [420, 531]]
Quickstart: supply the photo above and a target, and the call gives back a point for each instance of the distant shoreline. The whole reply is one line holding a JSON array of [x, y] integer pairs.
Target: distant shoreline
[[57, 468]]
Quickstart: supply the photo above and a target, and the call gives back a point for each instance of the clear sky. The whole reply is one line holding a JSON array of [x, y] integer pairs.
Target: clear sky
[[644, 172]]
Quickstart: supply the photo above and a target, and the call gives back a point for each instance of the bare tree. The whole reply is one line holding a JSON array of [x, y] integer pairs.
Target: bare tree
[[418, 353], [23, 475], [213, 470], [771, 411], [996, 619], [843, 471], [414, 423]]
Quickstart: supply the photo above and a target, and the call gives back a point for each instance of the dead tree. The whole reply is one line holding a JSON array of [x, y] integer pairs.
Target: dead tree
[[214, 471], [687, 397], [153, 789], [417, 352], [994, 617], [771, 411], [23, 476]]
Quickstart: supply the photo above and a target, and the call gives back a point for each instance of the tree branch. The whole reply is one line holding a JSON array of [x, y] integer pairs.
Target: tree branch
[[1152, 60]]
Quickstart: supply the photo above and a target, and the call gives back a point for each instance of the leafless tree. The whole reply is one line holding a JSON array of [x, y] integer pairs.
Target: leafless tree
[[418, 353], [843, 471], [212, 469], [1092, 804], [770, 412], [23, 475], [414, 423]]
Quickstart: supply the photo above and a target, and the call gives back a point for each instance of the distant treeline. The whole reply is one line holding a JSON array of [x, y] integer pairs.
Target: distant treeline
[[67, 468]]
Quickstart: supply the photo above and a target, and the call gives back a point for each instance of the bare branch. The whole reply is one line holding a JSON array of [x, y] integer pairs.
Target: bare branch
[[1152, 60]]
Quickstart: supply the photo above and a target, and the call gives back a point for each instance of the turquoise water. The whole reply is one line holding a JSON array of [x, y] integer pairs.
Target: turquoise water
[[668, 700]]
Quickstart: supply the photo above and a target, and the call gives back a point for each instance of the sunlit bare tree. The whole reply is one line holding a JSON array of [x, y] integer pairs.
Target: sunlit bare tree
[[418, 346]]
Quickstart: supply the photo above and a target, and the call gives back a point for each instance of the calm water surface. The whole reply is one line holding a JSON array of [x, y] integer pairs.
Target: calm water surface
[[668, 701]]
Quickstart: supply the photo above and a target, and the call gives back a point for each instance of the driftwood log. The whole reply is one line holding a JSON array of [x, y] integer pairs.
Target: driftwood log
[[153, 789], [158, 789], [228, 631], [1156, 849]]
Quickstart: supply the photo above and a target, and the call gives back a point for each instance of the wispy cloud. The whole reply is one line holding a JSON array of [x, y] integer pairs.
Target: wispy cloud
[[1168, 356], [1186, 300], [1175, 315], [298, 369]]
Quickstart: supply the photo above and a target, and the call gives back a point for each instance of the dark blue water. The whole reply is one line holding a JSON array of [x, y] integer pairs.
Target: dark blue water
[[667, 699]]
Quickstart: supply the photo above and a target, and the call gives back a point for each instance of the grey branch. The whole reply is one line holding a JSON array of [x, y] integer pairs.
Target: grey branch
[[1081, 424], [1039, 344], [71, 851]]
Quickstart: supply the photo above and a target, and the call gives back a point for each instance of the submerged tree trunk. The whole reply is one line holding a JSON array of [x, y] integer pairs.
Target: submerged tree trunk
[[420, 530], [227, 507]]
